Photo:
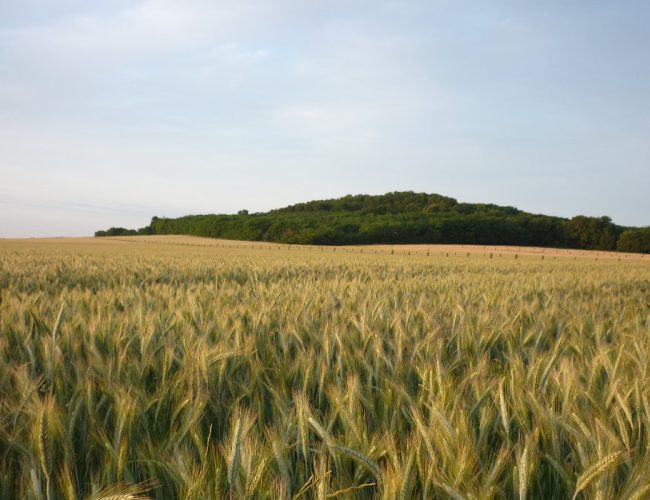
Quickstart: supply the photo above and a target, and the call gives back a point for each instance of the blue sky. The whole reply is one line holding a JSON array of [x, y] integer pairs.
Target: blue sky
[[114, 111]]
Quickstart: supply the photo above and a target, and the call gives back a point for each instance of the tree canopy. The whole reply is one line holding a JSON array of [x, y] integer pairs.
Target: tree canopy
[[403, 217]]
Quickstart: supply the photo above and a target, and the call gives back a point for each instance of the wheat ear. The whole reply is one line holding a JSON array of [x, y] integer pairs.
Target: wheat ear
[[235, 451], [361, 458], [523, 474], [43, 443], [592, 472]]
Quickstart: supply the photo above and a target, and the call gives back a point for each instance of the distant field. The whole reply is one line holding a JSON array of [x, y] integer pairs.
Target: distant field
[[181, 367], [116, 243]]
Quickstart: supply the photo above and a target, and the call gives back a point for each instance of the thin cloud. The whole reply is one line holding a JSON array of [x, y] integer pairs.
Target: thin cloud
[[201, 106]]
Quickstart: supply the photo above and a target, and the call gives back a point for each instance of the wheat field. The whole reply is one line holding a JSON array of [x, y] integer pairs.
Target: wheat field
[[132, 370]]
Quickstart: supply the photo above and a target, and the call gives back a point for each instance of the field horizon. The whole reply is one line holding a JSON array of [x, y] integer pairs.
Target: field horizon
[[455, 250]]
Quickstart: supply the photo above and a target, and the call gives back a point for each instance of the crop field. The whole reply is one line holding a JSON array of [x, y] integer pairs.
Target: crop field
[[160, 368]]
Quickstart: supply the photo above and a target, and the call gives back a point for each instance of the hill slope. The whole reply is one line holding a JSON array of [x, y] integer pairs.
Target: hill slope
[[403, 217]]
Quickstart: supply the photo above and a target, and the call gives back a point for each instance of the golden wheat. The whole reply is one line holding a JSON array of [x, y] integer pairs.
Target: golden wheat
[[208, 372]]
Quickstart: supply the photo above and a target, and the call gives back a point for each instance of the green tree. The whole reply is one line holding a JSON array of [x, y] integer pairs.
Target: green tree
[[635, 240]]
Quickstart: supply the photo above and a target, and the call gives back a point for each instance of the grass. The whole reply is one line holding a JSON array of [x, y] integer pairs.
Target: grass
[[130, 370]]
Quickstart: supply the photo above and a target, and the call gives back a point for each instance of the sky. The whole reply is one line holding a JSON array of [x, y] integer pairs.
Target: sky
[[114, 111]]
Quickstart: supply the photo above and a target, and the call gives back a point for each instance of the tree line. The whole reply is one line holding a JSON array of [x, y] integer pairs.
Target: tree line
[[403, 217]]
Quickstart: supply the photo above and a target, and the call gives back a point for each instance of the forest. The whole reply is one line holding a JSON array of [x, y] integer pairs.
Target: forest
[[403, 217]]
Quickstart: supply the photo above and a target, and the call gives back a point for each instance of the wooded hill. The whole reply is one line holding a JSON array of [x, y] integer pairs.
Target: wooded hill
[[403, 217]]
